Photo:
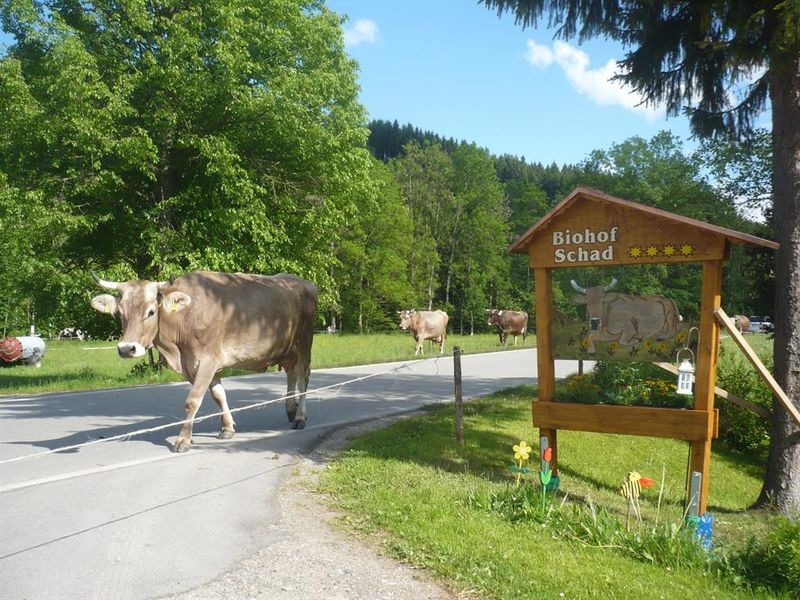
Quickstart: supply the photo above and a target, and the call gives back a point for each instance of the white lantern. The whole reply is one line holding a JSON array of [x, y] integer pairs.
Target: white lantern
[[685, 377]]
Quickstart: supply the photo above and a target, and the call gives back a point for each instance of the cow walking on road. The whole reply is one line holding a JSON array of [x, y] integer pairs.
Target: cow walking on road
[[624, 318], [509, 322], [425, 325], [204, 322]]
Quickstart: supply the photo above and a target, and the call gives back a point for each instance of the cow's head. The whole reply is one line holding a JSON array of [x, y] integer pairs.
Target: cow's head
[[405, 317], [593, 299], [494, 316], [140, 306]]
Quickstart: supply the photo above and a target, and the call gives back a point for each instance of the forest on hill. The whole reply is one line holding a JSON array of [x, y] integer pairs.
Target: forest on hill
[[259, 157]]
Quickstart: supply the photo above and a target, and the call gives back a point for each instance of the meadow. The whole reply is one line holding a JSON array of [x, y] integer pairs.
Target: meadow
[[71, 365]]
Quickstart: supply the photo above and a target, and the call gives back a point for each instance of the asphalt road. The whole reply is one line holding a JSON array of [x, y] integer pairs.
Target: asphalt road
[[131, 520]]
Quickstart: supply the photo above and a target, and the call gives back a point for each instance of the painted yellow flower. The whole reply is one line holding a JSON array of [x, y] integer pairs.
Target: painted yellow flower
[[522, 451], [651, 251], [648, 344], [687, 249], [635, 252], [662, 348], [668, 250], [682, 335]]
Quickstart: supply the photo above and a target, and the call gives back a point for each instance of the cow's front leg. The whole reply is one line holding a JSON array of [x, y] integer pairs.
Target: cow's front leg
[[200, 383], [226, 420], [297, 377]]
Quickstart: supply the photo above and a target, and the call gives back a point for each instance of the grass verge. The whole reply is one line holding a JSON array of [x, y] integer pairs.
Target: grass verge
[[442, 508]]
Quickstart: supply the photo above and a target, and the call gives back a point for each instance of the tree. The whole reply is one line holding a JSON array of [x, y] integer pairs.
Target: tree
[[423, 174], [719, 62], [374, 251], [221, 135]]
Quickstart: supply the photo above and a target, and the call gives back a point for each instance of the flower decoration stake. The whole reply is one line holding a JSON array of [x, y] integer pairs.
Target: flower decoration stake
[[545, 473], [631, 487], [522, 453], [705, 527]]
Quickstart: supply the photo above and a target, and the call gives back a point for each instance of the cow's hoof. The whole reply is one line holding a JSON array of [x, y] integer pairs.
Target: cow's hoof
[[181, 446], [299, 424], [291, 416], [225, 434]]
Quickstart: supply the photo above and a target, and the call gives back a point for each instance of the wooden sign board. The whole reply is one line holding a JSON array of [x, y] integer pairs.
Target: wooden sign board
[[592, 229]]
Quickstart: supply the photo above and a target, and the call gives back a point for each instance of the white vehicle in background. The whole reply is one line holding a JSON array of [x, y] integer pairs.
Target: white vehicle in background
[[761, 324]]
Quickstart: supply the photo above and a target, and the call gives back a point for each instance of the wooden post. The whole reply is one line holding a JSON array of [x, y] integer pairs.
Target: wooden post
[[544, 355], [705, 379], [459, 399]]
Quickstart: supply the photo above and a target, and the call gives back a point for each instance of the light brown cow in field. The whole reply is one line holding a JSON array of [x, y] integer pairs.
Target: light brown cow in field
[[203, 322], [741, 323], [425, 325]]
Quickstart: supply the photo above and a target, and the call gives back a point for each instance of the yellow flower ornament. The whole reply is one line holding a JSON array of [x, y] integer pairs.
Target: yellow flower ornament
[[522, 451]]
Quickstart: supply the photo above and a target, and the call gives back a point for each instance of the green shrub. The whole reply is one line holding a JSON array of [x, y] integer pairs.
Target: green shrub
[[738, 427], [627, 384]]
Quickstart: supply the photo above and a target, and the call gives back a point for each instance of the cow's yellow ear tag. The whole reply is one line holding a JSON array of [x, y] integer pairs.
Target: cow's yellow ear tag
[[174, 306], [107, 309]]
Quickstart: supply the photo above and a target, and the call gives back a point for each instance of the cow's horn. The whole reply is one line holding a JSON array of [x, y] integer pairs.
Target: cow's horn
[[577, 287], [610, 285], [109, 285]]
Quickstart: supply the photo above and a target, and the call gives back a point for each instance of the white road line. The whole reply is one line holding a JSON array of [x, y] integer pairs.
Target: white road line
[[102, 469]]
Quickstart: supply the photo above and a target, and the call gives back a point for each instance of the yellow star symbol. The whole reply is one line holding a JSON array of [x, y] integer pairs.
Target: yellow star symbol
[[687, 249], [669, 250], [651, 251], [635, 252]]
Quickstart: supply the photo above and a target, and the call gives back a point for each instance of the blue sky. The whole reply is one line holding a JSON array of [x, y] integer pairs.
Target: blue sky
[[454, 67]]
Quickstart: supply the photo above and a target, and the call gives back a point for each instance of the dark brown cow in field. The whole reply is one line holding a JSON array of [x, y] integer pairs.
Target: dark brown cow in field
[[425, 325], [624, 318], [203, 322], [509, 322]]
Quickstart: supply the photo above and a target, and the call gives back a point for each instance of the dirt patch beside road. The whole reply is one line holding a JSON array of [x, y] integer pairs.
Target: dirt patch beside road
[[316, 559]]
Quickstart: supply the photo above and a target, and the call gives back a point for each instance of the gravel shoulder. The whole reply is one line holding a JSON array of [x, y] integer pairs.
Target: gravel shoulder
[[314, 557]]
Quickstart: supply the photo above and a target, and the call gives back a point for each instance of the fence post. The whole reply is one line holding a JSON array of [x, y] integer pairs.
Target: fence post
[[459, 399]]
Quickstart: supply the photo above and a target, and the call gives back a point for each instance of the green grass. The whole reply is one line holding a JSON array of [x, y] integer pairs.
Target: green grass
[[72, 365], [432, 505]]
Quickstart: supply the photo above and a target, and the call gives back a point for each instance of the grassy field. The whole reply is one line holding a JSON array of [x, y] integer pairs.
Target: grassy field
[[458, 513], [72, 365]]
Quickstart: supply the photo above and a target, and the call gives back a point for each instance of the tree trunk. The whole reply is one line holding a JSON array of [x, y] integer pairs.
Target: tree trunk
[[782, 480]]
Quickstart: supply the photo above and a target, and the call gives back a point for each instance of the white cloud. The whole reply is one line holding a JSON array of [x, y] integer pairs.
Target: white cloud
[[362, 31], [594, 83]]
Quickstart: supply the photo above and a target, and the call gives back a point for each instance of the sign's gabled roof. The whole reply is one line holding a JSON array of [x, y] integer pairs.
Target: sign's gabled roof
[[521, 244]]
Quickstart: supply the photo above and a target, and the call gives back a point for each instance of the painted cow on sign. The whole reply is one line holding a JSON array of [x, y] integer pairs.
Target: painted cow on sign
[[624, 318], [509, 322], [425, 325], [203, 322]]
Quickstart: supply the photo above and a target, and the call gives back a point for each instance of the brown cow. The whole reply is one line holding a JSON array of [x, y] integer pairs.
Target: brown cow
[[512, 322], [741, 323], [625, 318], [425, 325], [203, 322]]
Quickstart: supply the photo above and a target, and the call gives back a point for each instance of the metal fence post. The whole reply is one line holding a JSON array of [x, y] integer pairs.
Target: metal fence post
[[459, 399]]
